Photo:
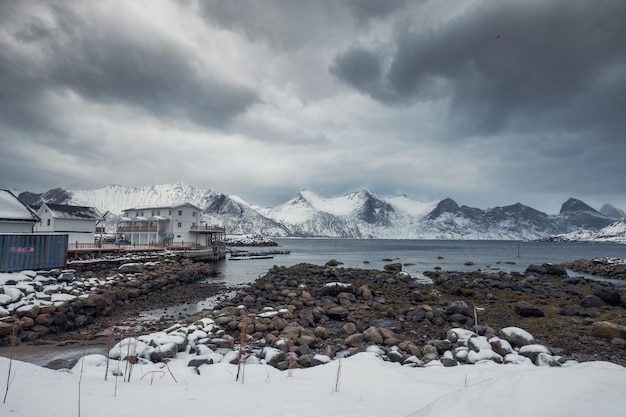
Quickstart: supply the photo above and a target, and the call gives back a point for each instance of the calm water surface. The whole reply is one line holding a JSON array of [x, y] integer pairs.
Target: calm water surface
[[424, 254]]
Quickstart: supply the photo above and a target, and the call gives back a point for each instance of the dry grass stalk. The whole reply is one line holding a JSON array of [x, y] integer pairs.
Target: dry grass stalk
[[338, 377], [241, 362], [82, 366], [109, 344], [12, 345]]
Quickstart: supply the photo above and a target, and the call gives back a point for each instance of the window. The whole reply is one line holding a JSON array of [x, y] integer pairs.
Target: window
[[193, 214], [158, 212], [169, 213], [180, 212], [48, 222], [152, 213], [180, 224]]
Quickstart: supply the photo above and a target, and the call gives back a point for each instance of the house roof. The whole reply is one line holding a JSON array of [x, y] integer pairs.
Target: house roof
[[11, 208], [64, 211], [171, 206]]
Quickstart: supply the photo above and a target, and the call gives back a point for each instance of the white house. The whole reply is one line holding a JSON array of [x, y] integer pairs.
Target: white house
[[15, 217], [78, 222], [177, 223]]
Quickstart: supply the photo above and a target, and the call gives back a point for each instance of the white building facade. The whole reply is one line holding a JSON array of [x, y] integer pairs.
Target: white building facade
[[78, 222], [177, 223]]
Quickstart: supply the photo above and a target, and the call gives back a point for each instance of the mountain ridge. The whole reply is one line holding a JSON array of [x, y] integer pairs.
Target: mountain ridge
[[359, 214]]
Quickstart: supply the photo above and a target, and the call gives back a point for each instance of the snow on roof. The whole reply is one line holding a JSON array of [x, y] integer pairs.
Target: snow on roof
[[13, 209], [64, 211], [170, 206]]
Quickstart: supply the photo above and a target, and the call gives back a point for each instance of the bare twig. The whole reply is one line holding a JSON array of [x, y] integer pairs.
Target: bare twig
[[242, 347], [338, 377], [152, 375], [109, 344], [82, 366], [13, 338]]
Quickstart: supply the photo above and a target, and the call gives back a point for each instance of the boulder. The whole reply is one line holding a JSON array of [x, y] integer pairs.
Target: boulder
[[609, 296], [525, 309], [354, 340], [557, 270], [372, 334], [516, 336], [395, 267], [337, 313], [608, 330], [592, 300]]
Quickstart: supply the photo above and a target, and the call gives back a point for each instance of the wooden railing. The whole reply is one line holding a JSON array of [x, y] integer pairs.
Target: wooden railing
[[139, 246], [208, 228], [122, 229]]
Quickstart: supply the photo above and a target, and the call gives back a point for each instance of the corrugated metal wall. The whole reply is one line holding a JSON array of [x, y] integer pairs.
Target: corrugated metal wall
[[29, 251]]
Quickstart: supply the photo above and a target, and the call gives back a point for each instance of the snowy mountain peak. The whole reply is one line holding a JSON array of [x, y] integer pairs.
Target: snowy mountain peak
[[360, 214], [447, 205]]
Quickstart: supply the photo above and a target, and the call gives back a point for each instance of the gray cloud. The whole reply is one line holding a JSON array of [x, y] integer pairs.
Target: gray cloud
[[507, 65], [485, 102], [113, 65]]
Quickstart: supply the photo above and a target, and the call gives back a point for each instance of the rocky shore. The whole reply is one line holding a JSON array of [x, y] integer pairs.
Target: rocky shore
[[602, 267], [61, 303], [306, 314]]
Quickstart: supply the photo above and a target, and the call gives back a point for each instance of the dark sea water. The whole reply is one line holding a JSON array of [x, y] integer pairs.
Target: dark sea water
[[424, 254]]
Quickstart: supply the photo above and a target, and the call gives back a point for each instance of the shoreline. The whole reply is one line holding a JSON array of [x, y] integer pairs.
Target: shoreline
[[567, 335]]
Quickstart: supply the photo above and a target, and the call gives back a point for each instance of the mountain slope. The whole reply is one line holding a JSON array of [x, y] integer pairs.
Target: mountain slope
[[612, 212], [614, 232], [360, 214]]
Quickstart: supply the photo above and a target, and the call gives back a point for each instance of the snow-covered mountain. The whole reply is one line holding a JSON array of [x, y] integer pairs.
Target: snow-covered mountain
[[614, 232], [360, 214]]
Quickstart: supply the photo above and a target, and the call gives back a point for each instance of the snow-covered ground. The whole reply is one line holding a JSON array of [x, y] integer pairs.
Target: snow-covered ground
[[361, 385]]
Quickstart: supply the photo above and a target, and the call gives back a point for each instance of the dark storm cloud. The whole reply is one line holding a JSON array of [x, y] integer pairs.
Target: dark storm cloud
[[507, 65], [366, 10], [108, 63]]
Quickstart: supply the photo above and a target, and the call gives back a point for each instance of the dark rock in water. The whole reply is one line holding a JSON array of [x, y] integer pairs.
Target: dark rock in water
[[536, 269], [397, 267], [525, 309], [333, 262], [592, 300]]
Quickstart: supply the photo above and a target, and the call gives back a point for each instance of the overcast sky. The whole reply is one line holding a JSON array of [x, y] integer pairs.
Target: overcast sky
[[487, 102]]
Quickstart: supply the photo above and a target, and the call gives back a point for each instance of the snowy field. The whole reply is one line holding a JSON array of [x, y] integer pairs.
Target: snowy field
[[362, 385]]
